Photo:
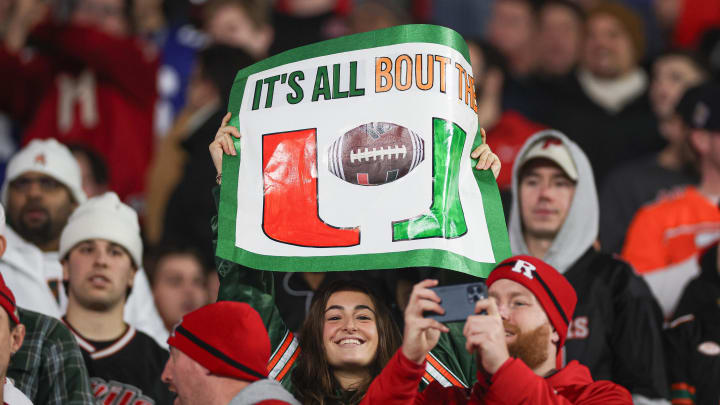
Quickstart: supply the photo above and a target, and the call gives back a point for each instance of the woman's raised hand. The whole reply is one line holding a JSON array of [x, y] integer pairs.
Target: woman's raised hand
[[223, 143]]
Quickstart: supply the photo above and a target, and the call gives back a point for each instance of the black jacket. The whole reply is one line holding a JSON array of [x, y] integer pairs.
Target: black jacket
[[693, 357], [608, 139], [616, 327], [704, 290]]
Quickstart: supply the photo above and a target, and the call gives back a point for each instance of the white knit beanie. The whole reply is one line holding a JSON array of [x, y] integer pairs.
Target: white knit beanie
[[49, 157], [104, 217]]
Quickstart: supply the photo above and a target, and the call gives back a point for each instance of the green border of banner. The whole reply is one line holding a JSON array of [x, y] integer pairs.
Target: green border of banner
[[494, 215]]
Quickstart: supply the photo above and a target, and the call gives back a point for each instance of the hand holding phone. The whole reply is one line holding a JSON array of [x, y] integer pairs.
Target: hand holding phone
[[421, 334], [458, 301]]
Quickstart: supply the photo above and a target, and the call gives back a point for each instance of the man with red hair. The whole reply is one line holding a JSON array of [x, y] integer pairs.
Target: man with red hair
[[517, 335]]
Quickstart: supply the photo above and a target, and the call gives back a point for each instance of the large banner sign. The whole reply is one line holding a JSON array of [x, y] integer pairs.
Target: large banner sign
[[355, 155]]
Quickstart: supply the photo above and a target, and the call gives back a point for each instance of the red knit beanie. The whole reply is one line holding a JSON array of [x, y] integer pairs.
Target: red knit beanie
[[7, 301], [227, 337], [552, 290]]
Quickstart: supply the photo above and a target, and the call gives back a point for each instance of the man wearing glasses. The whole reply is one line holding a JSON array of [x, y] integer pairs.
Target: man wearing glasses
[[42, 188]]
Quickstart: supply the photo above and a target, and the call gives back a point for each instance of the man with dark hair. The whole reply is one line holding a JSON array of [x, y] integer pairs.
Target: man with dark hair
[[560, 38], [178, 283], [101, 250], [512, 29]]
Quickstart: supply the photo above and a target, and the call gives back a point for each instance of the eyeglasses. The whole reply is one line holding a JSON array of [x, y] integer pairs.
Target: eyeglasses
[[23, 184]]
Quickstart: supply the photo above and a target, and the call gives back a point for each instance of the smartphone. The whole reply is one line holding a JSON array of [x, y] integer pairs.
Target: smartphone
[[458, 301]]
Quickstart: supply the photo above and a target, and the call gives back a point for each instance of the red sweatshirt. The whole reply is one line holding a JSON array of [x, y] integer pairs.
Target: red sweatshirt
[[84, 86], [513, 383]]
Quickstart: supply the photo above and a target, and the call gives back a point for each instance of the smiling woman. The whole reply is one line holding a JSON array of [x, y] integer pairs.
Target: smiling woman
[[347, 339]]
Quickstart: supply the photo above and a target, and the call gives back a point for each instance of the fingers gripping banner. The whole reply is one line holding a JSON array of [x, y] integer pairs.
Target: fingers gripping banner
[[355, 155]]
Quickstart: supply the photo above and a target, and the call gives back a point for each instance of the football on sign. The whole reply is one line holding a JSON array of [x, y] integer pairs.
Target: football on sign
[[375, 153]]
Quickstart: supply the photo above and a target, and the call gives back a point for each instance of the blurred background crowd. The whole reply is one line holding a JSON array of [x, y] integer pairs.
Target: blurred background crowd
[[137, 88]]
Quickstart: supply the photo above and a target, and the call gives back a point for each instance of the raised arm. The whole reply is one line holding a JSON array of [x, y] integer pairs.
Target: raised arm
[[399, 381], [26, 77], [125, 61], [256, 287]]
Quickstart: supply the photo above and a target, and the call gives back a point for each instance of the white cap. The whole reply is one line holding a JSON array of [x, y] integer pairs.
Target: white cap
[[555, 150], [49, 157], [104, 217]]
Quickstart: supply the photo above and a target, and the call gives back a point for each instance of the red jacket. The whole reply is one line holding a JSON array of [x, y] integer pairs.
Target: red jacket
[[513, 383], [84, 86]]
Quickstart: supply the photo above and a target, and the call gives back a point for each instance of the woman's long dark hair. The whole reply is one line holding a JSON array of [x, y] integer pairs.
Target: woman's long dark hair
[[313, 380]]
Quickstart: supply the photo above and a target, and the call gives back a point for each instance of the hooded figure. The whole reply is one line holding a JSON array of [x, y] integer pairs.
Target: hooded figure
[[616, 326], [584, 213]]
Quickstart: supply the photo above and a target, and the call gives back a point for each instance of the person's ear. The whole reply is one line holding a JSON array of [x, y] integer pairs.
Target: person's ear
[[700, 140], [555, 337], [3, 245], [17, 336], [66, 267], [133, 274]]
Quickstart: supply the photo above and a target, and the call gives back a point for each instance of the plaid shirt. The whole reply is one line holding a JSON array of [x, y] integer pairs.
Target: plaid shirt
[[49, 367]]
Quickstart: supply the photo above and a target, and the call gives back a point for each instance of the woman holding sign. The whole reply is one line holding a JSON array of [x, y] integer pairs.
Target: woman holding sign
[[348, 336]]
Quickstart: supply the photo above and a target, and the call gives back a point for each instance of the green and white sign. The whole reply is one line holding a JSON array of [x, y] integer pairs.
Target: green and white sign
[[355, 155]]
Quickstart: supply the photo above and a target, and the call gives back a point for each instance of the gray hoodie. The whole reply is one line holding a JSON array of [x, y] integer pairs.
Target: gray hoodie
[[581, 226], [263, 390]]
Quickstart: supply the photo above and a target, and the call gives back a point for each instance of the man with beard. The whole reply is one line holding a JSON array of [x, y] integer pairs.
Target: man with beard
[[616, 328], [100, 250], [517, 335], [42, 187]]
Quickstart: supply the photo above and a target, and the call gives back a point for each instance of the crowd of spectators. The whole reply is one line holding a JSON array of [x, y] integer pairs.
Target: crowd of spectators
[[605, 115]]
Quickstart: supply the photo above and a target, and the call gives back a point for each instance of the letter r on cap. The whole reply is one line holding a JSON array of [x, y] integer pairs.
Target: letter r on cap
[[525, 268]]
